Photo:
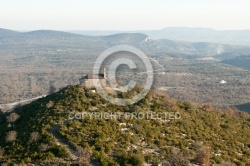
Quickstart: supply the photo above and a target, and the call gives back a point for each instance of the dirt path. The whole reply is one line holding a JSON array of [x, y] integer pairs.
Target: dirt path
[[62, 141]]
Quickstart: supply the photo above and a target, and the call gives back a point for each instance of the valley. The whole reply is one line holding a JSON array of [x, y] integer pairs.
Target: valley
[[30, 68]]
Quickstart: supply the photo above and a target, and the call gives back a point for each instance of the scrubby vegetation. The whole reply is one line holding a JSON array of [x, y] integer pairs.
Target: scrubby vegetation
[[41, 132]]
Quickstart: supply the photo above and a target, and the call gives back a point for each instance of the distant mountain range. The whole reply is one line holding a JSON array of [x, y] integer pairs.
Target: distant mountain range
[[158, 47], [6, 32], [232, 37]]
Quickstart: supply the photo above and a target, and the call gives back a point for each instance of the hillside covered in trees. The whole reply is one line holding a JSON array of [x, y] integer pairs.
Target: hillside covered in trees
[[241, 61], [51, 130]]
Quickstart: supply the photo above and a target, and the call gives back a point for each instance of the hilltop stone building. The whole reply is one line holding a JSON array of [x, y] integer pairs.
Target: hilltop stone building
[[90, 78]]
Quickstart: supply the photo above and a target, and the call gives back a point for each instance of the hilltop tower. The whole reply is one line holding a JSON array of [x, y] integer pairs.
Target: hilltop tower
[[104, 73], [90, 78]]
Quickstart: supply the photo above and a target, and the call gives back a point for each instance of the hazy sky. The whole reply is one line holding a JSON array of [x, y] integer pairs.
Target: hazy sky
[[123, 14]]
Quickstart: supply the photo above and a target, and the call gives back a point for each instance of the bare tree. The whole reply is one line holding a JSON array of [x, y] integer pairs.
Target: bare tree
[[1, 152], [83, 155], [12, 117], [44, 147], [34, 136], [137, 127], [11, 136], [165, 163], [227, 164], [50, 104], [175, 160], [203, 155]]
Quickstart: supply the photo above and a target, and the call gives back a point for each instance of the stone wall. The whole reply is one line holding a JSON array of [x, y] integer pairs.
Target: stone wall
[[89, 83]]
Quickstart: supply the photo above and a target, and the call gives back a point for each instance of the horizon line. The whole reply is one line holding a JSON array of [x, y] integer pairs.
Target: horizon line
[[128, 30]]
